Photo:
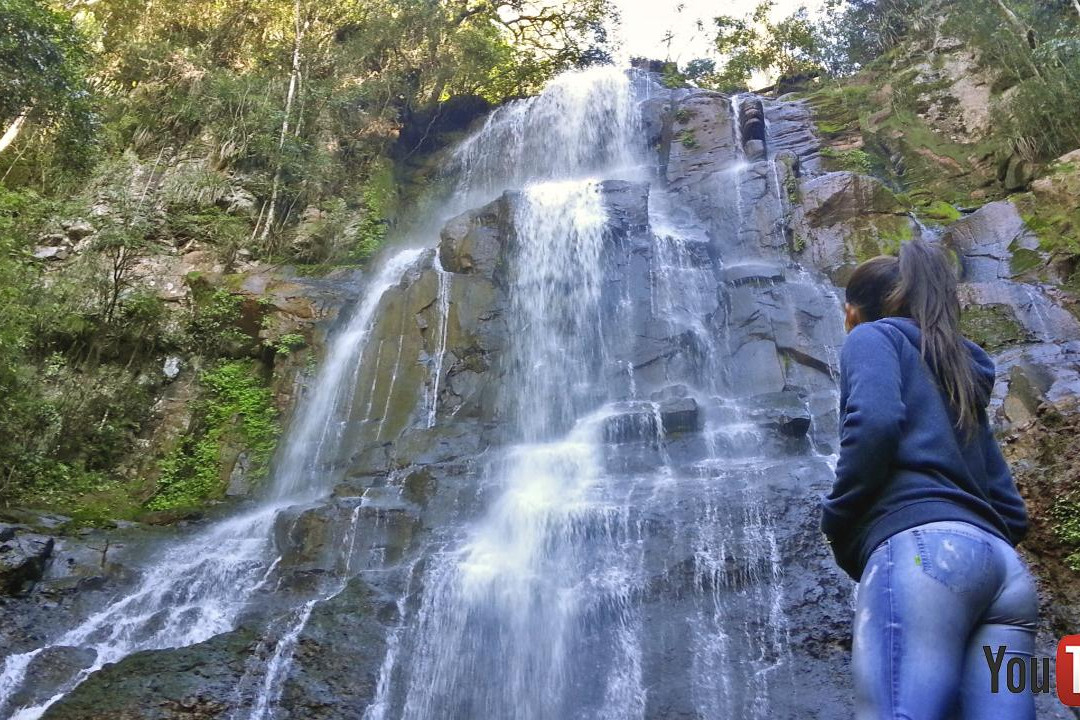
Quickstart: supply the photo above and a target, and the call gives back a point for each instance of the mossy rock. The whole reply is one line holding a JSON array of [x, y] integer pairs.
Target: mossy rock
[[940, 211], [992, 326], [1024, 260], [880, 235]]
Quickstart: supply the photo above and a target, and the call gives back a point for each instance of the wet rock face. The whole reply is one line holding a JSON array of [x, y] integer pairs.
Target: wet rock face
[[844, 218], [23, 556], [194, 683], [752, 127]]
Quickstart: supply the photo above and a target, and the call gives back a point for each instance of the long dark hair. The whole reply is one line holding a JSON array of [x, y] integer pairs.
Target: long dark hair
[[921, 285]]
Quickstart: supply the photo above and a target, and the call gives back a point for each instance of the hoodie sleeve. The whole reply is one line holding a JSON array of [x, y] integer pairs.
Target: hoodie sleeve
[[873, 420]]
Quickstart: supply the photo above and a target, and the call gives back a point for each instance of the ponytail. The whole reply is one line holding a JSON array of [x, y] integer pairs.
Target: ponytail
[[926, 292], [921, 285]]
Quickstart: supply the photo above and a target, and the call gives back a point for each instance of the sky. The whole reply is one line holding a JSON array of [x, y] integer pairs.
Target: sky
[[645, 23]]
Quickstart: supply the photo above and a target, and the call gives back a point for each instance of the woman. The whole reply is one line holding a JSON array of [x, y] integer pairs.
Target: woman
[[924, 513]]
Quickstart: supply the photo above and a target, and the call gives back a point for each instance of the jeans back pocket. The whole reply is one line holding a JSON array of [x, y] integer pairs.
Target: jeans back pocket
[[959, 561]]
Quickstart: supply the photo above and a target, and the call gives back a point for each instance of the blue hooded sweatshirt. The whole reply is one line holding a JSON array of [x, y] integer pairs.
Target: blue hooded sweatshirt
[[902, 462]]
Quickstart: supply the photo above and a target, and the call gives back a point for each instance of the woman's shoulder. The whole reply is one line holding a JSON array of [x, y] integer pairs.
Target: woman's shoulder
[[876, 332]]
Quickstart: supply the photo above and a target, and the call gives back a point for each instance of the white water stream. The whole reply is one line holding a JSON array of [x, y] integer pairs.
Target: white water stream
[[544, 606]]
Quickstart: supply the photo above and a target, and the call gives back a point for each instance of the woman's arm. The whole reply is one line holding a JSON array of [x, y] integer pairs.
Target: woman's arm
[[874, 416]]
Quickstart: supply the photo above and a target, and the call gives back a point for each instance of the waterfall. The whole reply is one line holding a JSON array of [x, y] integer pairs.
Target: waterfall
[[622, 544], [198, 586]]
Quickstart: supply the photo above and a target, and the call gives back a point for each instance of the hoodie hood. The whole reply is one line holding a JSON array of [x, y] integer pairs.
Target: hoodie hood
[[981, 362]]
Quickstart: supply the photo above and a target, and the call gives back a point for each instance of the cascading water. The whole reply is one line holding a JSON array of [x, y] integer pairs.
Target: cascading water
[[615, 547], [541, 609], [199, 586]]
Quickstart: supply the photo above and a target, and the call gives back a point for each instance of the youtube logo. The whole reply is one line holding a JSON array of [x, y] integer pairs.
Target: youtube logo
[[1067, 666]]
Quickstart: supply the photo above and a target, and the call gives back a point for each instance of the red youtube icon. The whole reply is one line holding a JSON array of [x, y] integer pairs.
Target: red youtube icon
[[1068, 670]]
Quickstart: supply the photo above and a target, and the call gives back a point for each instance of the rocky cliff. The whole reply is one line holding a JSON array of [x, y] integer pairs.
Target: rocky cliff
[[647, 445]]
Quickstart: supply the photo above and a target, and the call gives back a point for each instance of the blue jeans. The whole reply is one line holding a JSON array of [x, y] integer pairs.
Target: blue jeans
[[930, 598]]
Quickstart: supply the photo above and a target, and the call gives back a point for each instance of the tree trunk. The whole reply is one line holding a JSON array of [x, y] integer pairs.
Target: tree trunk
[[290, 97], [13, 130]]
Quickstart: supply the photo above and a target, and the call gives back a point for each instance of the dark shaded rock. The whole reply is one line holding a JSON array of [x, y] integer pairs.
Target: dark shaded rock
[[23, 556], [423, 130], [338, 655], [49, 669], [198, 682], [783, 411], [680, 415], [752, 121], [628, 206], [636, 421], [751, 272]]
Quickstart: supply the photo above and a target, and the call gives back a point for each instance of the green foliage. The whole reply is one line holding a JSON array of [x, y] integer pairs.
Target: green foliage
[[236, 411], [378, 198], [757, 44], [1031, 48], [855, 160], [289, 342], [212, 329], [43, 76], [133, 108], [1065, 518], [687, 139]]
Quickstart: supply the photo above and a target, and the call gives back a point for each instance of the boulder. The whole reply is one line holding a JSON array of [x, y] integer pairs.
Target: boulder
[[23, 558], [238, 201], [752, 121], [986, 240], [49, 669], [845, 218], [50, 252], [473, 241], [783, 411], [198, 682], [78, 229], [639, 421]]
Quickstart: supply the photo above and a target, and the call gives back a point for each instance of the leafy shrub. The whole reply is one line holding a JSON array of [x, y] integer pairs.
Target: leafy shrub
[[236, 410]]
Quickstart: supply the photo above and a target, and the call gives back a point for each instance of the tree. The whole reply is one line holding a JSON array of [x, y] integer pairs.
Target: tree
[[42, 67], [757, 44]]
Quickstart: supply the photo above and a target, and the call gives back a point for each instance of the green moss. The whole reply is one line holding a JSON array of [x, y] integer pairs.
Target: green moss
[[1024, 260], [855, 160], [1065, 517], [1057, 226], [992, 326], [881, 235], [687, 139], [791, 187], [682, 115], [378, 199], [939, 210], [236, 411]]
